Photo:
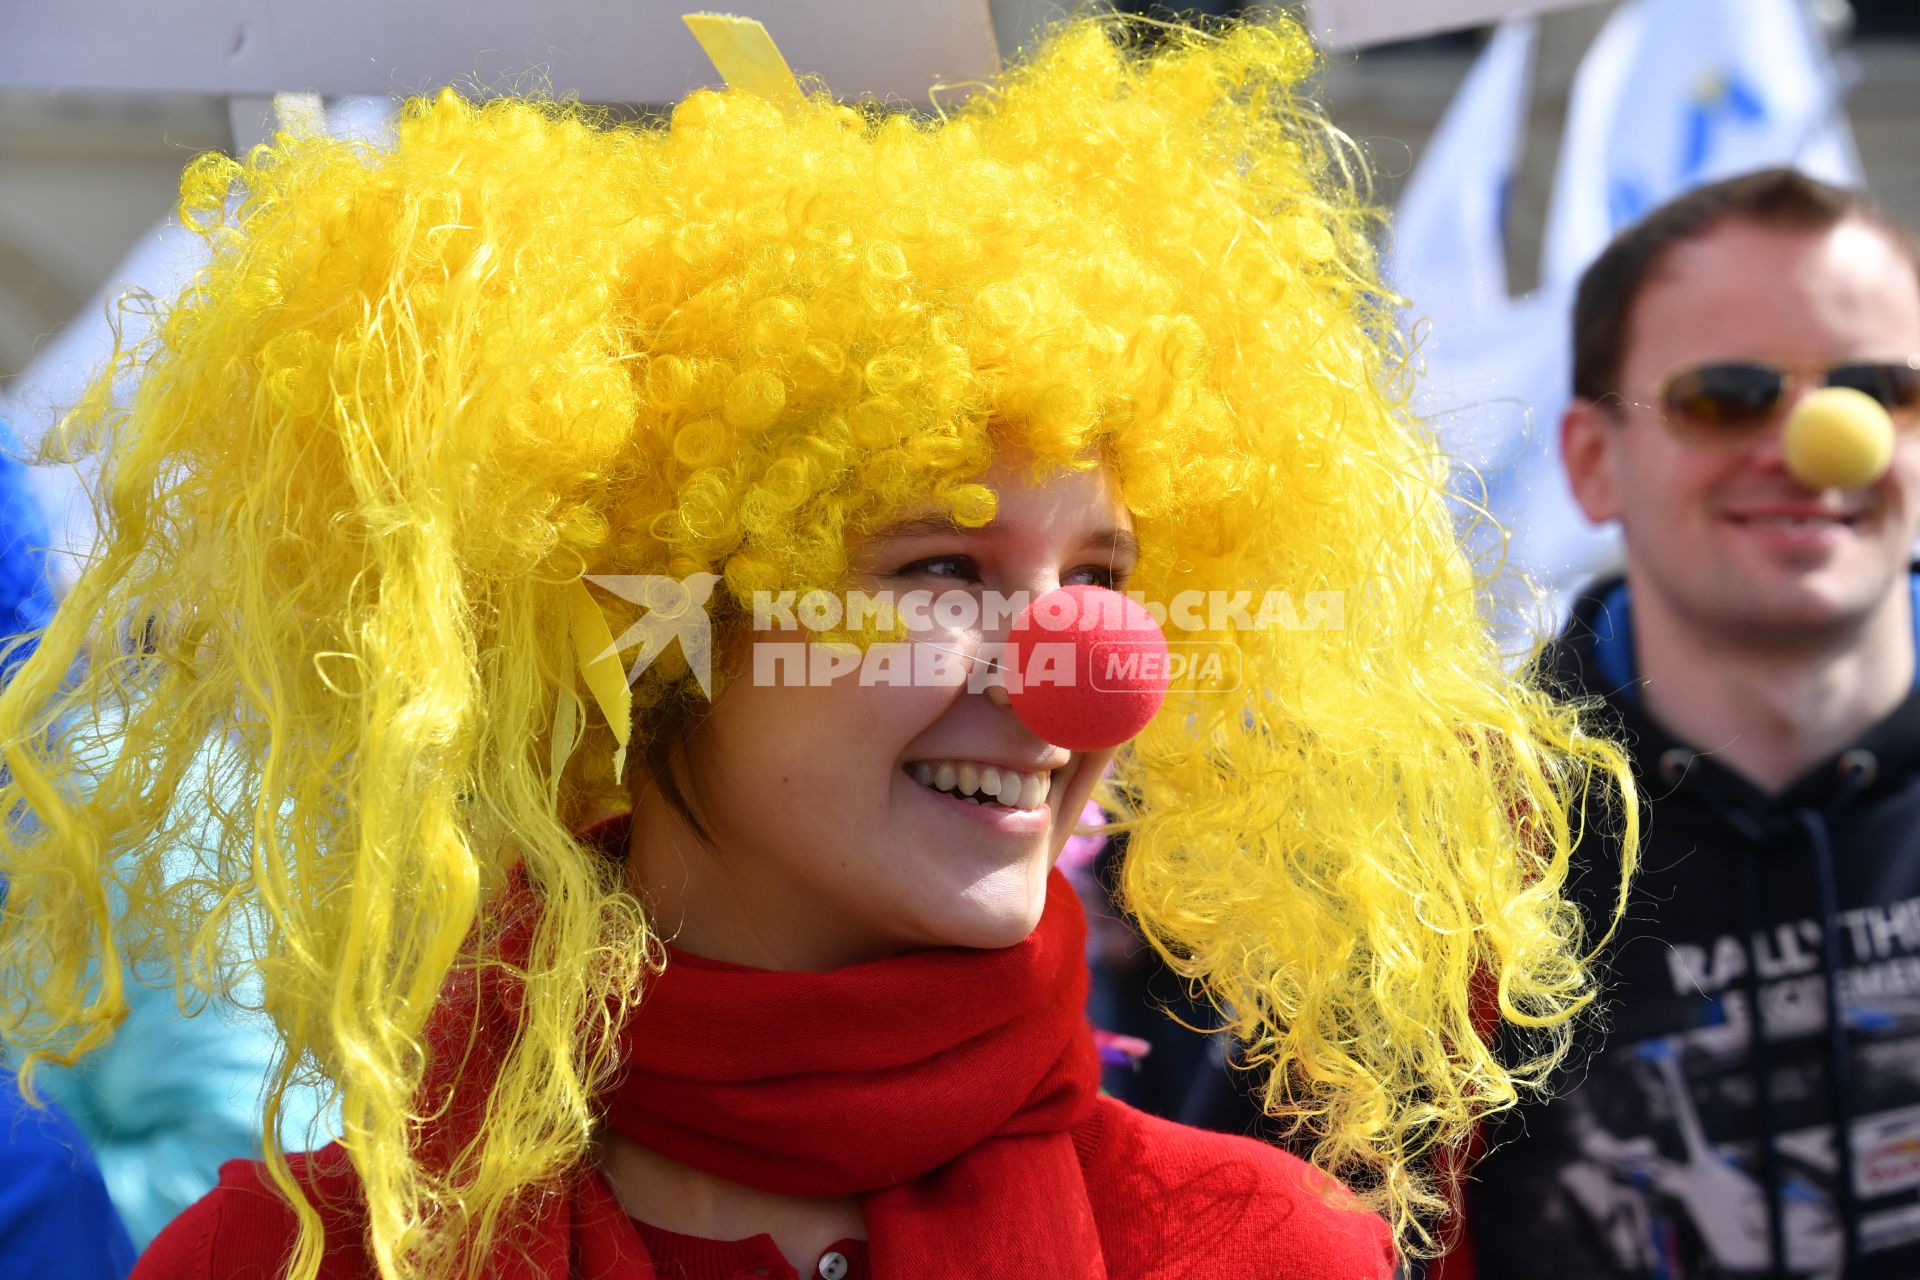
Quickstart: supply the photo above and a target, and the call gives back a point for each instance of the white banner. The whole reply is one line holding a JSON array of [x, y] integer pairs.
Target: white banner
[[601, 50], [1449, 238], [1675, 93]]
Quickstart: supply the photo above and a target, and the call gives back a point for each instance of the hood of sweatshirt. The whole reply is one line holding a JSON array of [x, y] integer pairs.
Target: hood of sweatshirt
[[1593, 656]]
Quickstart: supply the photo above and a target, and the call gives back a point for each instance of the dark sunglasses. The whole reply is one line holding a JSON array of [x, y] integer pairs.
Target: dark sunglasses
[[1737, 394]]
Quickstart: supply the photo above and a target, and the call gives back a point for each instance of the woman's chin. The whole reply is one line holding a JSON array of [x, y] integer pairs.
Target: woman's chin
[[999, 910]]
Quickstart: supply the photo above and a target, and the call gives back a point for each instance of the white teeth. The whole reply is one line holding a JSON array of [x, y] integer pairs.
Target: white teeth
[[984, 783]]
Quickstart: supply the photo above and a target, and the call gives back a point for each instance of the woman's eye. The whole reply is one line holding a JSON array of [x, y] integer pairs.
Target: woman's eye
[[967, 569], [958, 568], [1096, 575]]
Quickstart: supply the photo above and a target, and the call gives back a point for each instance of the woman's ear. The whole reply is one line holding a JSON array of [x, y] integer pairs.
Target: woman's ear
[[1589, 449]]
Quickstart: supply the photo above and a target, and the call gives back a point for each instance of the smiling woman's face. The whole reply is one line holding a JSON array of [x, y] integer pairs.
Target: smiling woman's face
[[826, 847]]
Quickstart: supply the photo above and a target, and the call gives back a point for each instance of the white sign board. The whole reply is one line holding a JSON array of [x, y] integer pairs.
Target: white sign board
[[1350, 23], [599, 50]]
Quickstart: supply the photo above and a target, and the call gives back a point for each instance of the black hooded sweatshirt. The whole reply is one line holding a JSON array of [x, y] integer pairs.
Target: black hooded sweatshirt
[[1690, 1137]]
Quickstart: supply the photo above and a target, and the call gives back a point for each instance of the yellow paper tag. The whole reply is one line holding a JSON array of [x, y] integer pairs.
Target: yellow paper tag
[[746, 57], [600, 666]]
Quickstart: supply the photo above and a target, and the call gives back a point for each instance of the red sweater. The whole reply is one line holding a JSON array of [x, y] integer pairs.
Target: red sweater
[[1167, 1200]]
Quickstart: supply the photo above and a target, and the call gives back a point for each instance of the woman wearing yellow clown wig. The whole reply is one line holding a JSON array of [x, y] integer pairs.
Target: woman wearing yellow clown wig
[[609, 982]]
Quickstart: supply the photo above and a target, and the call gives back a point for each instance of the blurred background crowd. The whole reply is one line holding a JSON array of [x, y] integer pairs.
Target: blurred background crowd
[[1505, 163]]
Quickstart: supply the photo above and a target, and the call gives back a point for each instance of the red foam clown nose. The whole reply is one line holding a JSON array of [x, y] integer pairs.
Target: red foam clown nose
[[1087, 667]]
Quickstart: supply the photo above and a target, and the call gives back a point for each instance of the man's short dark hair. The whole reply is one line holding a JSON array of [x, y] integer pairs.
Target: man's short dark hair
[[1783, 199]]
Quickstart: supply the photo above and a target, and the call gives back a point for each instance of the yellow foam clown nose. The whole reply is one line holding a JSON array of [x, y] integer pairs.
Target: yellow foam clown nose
[[1838, 438]]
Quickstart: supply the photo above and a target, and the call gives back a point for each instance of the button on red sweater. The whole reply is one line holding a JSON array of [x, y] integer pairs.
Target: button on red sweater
[[1168, 1202]]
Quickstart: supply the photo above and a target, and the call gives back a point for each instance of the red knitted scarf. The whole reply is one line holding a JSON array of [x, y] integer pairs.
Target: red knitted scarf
[[943, 1086]]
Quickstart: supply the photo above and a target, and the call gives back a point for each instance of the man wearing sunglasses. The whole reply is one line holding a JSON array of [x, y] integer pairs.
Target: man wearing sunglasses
[[1759, 656]]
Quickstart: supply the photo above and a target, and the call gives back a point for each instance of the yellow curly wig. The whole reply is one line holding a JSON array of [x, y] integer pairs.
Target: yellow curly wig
[[354, 477]]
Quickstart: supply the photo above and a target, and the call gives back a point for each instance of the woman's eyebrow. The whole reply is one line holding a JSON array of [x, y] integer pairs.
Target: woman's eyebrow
[[924, 527], [1121, 541]]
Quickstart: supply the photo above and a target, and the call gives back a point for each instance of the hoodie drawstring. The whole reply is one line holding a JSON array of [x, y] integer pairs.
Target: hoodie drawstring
[[1839, 1059], [1857, 769], [1761, 1055]]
